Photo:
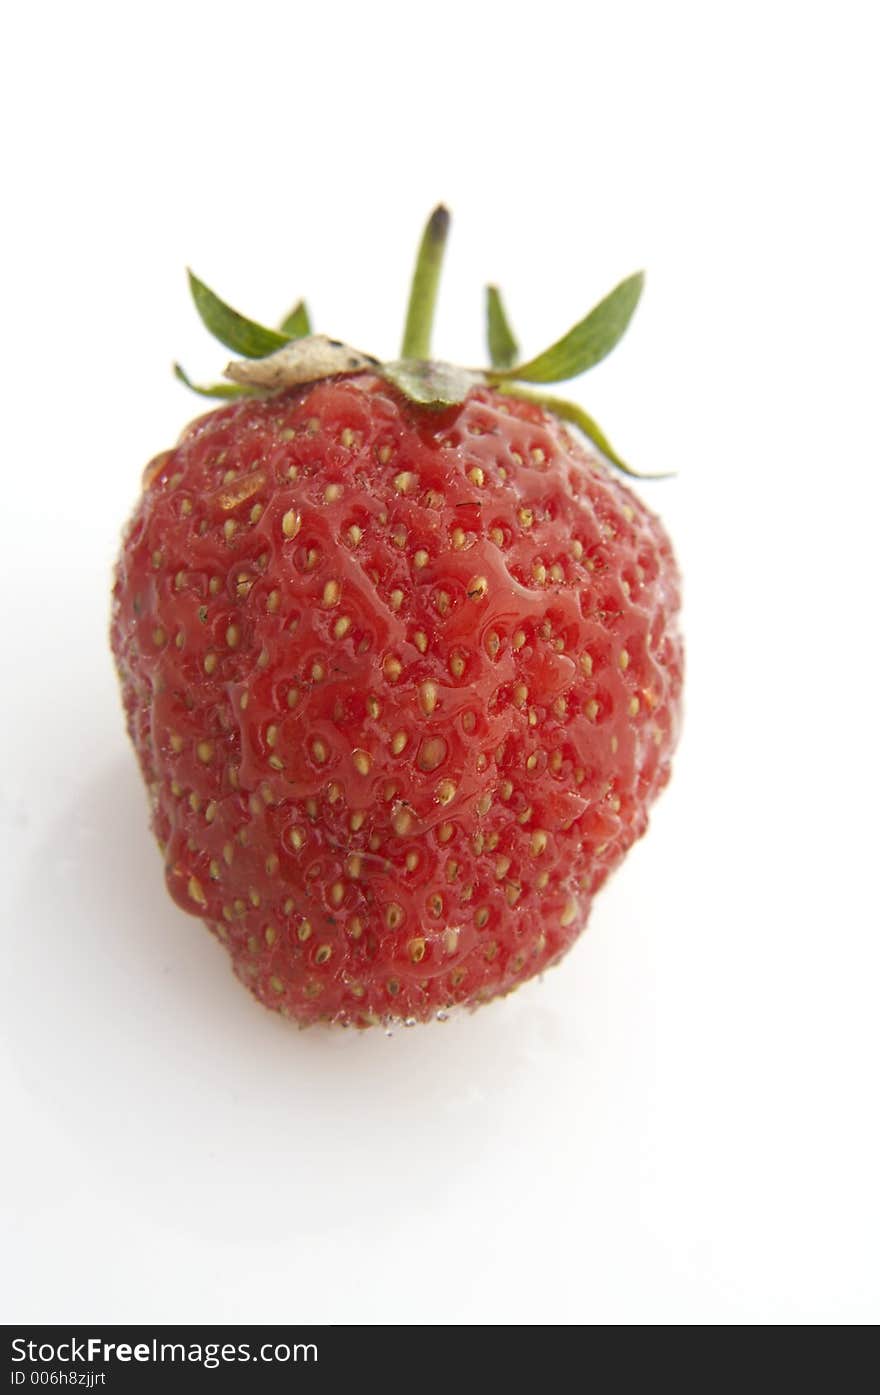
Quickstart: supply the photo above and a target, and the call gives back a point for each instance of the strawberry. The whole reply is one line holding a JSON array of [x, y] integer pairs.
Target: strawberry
[[399, 660]]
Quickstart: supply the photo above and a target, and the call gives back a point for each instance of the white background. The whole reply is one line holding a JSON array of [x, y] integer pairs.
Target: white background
[[680, 1124]]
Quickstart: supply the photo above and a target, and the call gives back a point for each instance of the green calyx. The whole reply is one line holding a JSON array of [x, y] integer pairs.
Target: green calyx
[[275, 359]]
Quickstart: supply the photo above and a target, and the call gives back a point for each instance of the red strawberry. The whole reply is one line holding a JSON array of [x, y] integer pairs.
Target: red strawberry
[[400, 663]]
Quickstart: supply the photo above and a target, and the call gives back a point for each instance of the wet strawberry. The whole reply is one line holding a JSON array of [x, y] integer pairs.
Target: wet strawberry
[[400, 663]]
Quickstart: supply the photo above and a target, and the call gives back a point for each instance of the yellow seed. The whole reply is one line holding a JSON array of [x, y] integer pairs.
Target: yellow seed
[[428, 697], [159, 636], [304, 930], [319, 750], [401, 822], [196, 893], [539, 842], [404, 482], [416, 950], [456, 665], [538, 456], [450, 941], [353, 865], [291, 523], [362, 761], [502, 867], [497, 536], [412, 861], [323, 953], [331, 593], [591, 710], [357, 820], [477, 588], [355, 927], [347, 437], [484, 804], [393, 915], [445, 832], [229, 528], [276, 984], [476, 476], [205, 751], [539, 573], [396, 599], [398, 742], [623, 659], [432, 752], [420, 639], [520, 693], [337, 894], [526, 517], [392, 668], [420, 558], [332, 493], [446, 791], [384, 454], [568, 914], [633, 706], [342, 627], [458, 538], [354, 535], [195, 802]]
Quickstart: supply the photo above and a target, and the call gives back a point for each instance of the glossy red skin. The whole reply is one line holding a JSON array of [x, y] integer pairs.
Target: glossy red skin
[[348, 894]]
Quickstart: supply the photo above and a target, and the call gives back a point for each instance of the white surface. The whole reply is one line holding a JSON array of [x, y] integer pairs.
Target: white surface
[[680, 1124]]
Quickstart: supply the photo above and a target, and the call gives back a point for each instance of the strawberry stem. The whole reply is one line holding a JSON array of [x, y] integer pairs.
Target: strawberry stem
[[423, 292]]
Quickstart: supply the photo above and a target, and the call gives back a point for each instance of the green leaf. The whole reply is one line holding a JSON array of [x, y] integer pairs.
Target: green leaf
[[242, 336], [431, 384], [297, 324], [224, 391], [423, 292], [571, 412], [503, 348], [588, 342]]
